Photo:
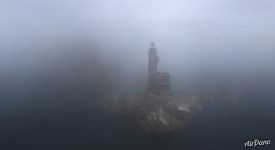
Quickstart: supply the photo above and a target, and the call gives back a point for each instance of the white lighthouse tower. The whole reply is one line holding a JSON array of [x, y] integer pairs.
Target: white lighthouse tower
[[153, 61], [158, 82]]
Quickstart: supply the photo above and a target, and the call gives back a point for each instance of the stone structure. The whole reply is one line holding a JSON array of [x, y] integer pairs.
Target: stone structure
[[158, 82], [158, 110]]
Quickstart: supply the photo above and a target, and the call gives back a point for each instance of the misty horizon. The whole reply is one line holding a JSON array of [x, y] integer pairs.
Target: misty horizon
[[59, 59], [190, 35]]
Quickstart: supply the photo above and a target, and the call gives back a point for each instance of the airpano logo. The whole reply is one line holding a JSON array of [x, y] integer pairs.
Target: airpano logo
[[257, 142]]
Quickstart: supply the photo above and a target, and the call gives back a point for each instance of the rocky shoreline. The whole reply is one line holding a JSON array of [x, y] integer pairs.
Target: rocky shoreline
[[158, 110], [155, 113]]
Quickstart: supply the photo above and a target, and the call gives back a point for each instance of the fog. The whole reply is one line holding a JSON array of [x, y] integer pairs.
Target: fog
[[51, 48], [192, 37]]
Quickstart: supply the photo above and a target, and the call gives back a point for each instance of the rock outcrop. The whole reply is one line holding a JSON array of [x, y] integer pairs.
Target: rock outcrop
[[159, 110], [155, 113], [166, 114]]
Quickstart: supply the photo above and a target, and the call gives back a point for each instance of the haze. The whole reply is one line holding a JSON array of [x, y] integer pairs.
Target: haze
[[59, 59], [194, 38]]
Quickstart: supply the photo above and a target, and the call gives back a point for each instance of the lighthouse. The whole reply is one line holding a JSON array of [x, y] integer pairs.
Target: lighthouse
[[153, 60], [158, 82]]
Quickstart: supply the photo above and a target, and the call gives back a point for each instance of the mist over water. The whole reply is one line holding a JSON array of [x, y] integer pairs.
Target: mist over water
[[59, 58]]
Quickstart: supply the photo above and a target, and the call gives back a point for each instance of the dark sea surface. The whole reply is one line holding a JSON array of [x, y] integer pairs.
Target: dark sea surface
[[68, 117]]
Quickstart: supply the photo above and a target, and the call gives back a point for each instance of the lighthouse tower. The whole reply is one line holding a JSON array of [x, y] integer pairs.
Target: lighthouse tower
[[153, 61], [158, 82]]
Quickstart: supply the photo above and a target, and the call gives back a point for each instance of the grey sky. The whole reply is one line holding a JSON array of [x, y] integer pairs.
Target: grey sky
[[189, 34]]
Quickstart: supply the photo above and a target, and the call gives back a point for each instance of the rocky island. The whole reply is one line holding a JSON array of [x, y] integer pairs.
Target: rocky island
[[159, 109]]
